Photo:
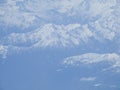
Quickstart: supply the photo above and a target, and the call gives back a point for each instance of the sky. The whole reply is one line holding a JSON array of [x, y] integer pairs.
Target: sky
[[59, 44]]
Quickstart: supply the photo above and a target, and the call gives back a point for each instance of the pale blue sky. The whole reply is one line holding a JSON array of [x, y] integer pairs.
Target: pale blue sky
[[59, 45]]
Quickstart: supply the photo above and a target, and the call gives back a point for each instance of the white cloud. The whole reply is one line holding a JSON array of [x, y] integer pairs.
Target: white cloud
[[106, 85], [106, 28], [97, 84], [112, 59], [88, 79], [84, 22], [59, 70], [12, 16], [22, 13], [66, 6], [52, 35], [3, 51]]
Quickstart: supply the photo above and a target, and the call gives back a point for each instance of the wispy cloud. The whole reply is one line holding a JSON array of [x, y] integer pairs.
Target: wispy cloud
[[3, 51], [97, 84], [88, 79], [112, 59], [106, 85]]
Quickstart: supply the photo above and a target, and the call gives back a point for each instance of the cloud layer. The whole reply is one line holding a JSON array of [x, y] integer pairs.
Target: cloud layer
[[49, 23]]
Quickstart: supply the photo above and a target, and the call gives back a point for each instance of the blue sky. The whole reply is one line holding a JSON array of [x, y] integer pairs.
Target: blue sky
[[59, 45]]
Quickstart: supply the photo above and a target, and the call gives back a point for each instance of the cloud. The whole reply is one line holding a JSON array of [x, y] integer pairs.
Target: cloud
[[12, 16], [3, 51], [24, 13], [51, 35], [106, 85], [112, 59], [88, 79], [61, 23], [97, 85]]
